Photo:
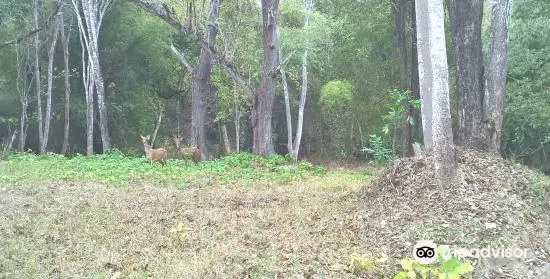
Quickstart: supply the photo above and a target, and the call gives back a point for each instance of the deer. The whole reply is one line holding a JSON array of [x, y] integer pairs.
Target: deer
[[192, 152], [158, 154]]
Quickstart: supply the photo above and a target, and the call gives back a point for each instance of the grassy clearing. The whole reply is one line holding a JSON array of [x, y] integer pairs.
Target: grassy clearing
[[242, 169], [260, 218]]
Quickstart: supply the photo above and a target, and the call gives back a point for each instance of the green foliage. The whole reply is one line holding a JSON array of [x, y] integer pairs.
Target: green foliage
[[451, 268], [180, 231], [398, 111], [117, 169], [526, 131], [378, 149], [336, 97], [363, 265]]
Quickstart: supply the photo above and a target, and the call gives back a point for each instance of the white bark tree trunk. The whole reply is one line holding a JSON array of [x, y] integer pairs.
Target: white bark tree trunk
[[434, 88], [495, 89], [93, 11], [226, 142], [48, 116], [67, 85], [157, 127], [37, 75], [237, 118], [293, 144], [23, 89]]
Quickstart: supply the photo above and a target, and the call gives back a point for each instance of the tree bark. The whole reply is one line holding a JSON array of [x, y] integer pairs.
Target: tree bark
[[237, 118], [434, 86], [37, 77], [416, 133], [87, 81], [67, 84], [226, 142], [157, 127], [23, 88], [93, 12], [466, 17], [399, 9], [495, 93], [201, 83], [264, 96], [48, 116]]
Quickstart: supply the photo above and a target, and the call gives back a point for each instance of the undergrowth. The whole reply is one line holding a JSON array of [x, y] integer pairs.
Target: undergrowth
[[117, 169]]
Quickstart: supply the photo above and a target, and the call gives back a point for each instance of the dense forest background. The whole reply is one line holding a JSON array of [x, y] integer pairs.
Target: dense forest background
[[355, 76]]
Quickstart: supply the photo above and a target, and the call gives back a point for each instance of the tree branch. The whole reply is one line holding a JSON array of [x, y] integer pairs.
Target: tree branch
[[182, 58], [166, 14], [161, 11], [32, 32]]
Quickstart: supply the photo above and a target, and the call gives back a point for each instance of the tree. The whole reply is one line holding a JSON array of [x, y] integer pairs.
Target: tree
[[466, 16], [294, 144], [495, 93], [89, 14], [434, 87], [37, 77], [65, 38], [264, 96], [48, 116]]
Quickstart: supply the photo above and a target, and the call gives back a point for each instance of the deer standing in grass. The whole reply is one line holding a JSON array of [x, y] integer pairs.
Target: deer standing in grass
[[192, 152], [158, 154]]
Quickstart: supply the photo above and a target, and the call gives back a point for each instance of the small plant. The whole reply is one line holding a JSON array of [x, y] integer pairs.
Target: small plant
[[362, 265], [378, 149], [181, 232], [451, 268]]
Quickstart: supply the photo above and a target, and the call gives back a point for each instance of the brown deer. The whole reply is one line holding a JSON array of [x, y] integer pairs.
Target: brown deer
[[192, 152], [159, 154]]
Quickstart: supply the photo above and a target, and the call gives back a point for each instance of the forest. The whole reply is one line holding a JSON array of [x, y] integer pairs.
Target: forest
[[273, 138]]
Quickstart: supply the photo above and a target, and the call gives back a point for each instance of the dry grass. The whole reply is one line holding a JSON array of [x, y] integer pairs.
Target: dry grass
[[304, 230]]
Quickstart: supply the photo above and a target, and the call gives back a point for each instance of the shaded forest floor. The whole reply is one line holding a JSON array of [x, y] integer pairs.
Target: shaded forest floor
[[304, 227]]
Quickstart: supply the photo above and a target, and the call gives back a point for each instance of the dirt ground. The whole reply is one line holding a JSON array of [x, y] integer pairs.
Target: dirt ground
[[305, 230]]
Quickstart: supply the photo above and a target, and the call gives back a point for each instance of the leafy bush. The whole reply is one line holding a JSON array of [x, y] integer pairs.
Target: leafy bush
[[378, 149]]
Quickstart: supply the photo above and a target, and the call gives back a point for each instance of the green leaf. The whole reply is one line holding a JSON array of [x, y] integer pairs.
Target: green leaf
[[406, 264], [401, 275]]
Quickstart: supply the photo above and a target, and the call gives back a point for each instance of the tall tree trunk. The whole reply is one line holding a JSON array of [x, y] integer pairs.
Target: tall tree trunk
[[87, 81], [466, 17], [495, 94], [37, 76], [264, 96], [23, 85], [289, 131], [399, 9], [201, 82], [416, 133], [308, 6], [67, 84], [237, 118], [157, 127], [93, 12], [434, 86], [226, 143], [48, 116]]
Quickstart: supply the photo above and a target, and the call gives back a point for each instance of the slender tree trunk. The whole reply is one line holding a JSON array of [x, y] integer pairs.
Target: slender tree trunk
[[157, 127], [23, 88], [226, 142], [201, 82], [495, 94], [290, 137], [48, 116], [264, 97], [237, 118], [466, 17], [67, 84], [416, 133], [434, 86], [308, 6], [88, 82], [37, 77]]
